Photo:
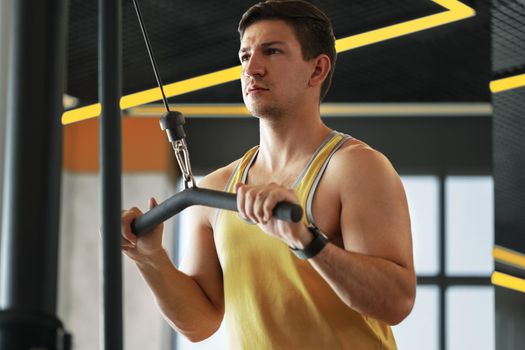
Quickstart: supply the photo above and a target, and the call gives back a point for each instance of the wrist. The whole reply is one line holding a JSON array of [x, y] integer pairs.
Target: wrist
[[153, 259], [302, 238], [317, 242]]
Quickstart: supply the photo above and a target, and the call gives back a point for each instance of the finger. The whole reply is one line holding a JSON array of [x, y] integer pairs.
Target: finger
[[275, 197], [249, 199], [239, 189], [129, 252], [269, 204], [258, 206], [290, 196], [127, 217], [237, 186], [129, 236], [152, 203], [126, 244]]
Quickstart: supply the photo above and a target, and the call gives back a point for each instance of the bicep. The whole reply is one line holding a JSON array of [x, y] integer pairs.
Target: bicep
[[199, 260], [375, 219]]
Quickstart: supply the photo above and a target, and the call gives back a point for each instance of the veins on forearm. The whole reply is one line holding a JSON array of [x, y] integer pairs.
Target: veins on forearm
[[370, 285]]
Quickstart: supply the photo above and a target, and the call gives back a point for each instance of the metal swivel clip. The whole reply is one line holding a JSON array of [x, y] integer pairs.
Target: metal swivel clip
[[172, 123]]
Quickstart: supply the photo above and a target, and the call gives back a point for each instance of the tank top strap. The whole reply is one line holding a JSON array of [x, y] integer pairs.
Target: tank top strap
[[309, 181], [241, 170]]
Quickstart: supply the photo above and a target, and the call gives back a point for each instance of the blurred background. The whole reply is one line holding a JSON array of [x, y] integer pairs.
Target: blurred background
[[422, 97]]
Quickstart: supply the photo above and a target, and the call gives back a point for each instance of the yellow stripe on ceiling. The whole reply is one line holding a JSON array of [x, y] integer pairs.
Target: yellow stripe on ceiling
[[229, 110], [455, 11], [181, 87], [81, 113], [508, 281], [509, 257], [507, 83]]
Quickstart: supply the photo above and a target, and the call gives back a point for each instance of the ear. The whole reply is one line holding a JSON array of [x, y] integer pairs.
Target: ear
[[321, 67]]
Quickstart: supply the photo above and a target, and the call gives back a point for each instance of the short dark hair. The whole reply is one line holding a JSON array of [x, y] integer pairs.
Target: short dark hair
[[311, 26]]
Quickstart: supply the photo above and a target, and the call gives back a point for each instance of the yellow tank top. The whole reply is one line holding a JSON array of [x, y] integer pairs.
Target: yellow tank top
[[275, 301]]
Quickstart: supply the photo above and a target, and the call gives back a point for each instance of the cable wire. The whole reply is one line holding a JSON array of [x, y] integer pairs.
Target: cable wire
[[150, 53]]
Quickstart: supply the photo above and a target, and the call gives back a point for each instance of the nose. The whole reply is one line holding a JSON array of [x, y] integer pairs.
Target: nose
[[254, 66]]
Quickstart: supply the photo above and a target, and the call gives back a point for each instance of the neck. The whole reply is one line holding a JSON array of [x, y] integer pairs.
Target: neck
[[290, 139]]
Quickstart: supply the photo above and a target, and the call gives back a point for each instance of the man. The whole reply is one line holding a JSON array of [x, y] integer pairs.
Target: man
[[281, 285]]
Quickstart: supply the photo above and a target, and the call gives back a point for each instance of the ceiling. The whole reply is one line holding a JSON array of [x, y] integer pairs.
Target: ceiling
[[449, 63]]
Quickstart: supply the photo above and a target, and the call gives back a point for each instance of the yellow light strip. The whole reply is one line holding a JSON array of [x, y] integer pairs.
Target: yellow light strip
[[329, 109], [507, 83], [151, 95], [508, 281], [181, 87], [230, 110], [455, 11], [508, 256], [405, 109], [82, 113]]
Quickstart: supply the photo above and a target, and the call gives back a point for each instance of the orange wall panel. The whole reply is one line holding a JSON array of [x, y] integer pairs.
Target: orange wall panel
[[145, 147]]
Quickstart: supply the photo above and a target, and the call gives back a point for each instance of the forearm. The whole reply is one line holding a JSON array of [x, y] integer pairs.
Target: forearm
[[181, 300], [370, 285]]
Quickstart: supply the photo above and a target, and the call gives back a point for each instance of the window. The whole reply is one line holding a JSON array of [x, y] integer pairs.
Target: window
[[469, 225], [420, 329], [470, 318], [423, 203]]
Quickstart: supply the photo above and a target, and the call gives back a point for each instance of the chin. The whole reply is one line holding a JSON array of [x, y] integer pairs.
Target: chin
[[263, 111], [267, 113]]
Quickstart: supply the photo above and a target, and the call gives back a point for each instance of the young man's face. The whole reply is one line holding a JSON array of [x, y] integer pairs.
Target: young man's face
[[274, 74]]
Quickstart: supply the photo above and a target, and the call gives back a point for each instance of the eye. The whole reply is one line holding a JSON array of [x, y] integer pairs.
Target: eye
[[245, 57], [272, 51]]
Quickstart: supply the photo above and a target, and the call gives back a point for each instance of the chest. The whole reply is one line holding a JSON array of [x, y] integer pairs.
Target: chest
[[325, 204]]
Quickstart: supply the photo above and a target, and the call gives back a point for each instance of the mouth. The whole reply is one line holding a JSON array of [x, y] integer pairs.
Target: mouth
[[255, 90]]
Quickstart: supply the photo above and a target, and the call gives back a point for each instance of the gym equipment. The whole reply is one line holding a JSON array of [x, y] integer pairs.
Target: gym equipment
[[32, 174], [110, 92]]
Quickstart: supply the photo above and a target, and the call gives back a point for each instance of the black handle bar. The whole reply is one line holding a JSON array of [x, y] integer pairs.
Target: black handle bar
[[210, 198]]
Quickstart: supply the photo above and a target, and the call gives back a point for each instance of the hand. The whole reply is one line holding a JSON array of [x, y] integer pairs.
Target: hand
[[147, 245], [256, 203]]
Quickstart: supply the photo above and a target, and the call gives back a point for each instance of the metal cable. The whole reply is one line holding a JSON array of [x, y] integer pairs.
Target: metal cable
[[150, 53]]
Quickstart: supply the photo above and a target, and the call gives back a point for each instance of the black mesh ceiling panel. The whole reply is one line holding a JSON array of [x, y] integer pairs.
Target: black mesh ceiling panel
[[190, 38], [509, 126], [508, 52], [508, 32], [509, 168]]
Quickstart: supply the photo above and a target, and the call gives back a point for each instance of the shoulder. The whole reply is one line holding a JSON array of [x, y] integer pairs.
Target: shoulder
[[218, 179], [356, 156], [358, 167]]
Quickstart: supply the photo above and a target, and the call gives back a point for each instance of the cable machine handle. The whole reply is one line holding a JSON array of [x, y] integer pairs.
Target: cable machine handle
[[201, 196]]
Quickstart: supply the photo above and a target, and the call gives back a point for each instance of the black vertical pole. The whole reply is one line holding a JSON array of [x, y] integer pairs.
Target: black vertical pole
[[110, 90], [32, 176]]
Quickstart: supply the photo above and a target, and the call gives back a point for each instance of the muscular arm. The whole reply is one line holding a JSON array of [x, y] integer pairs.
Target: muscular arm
[[368, 284], [190, 298], [182, 301], [374, 272]]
